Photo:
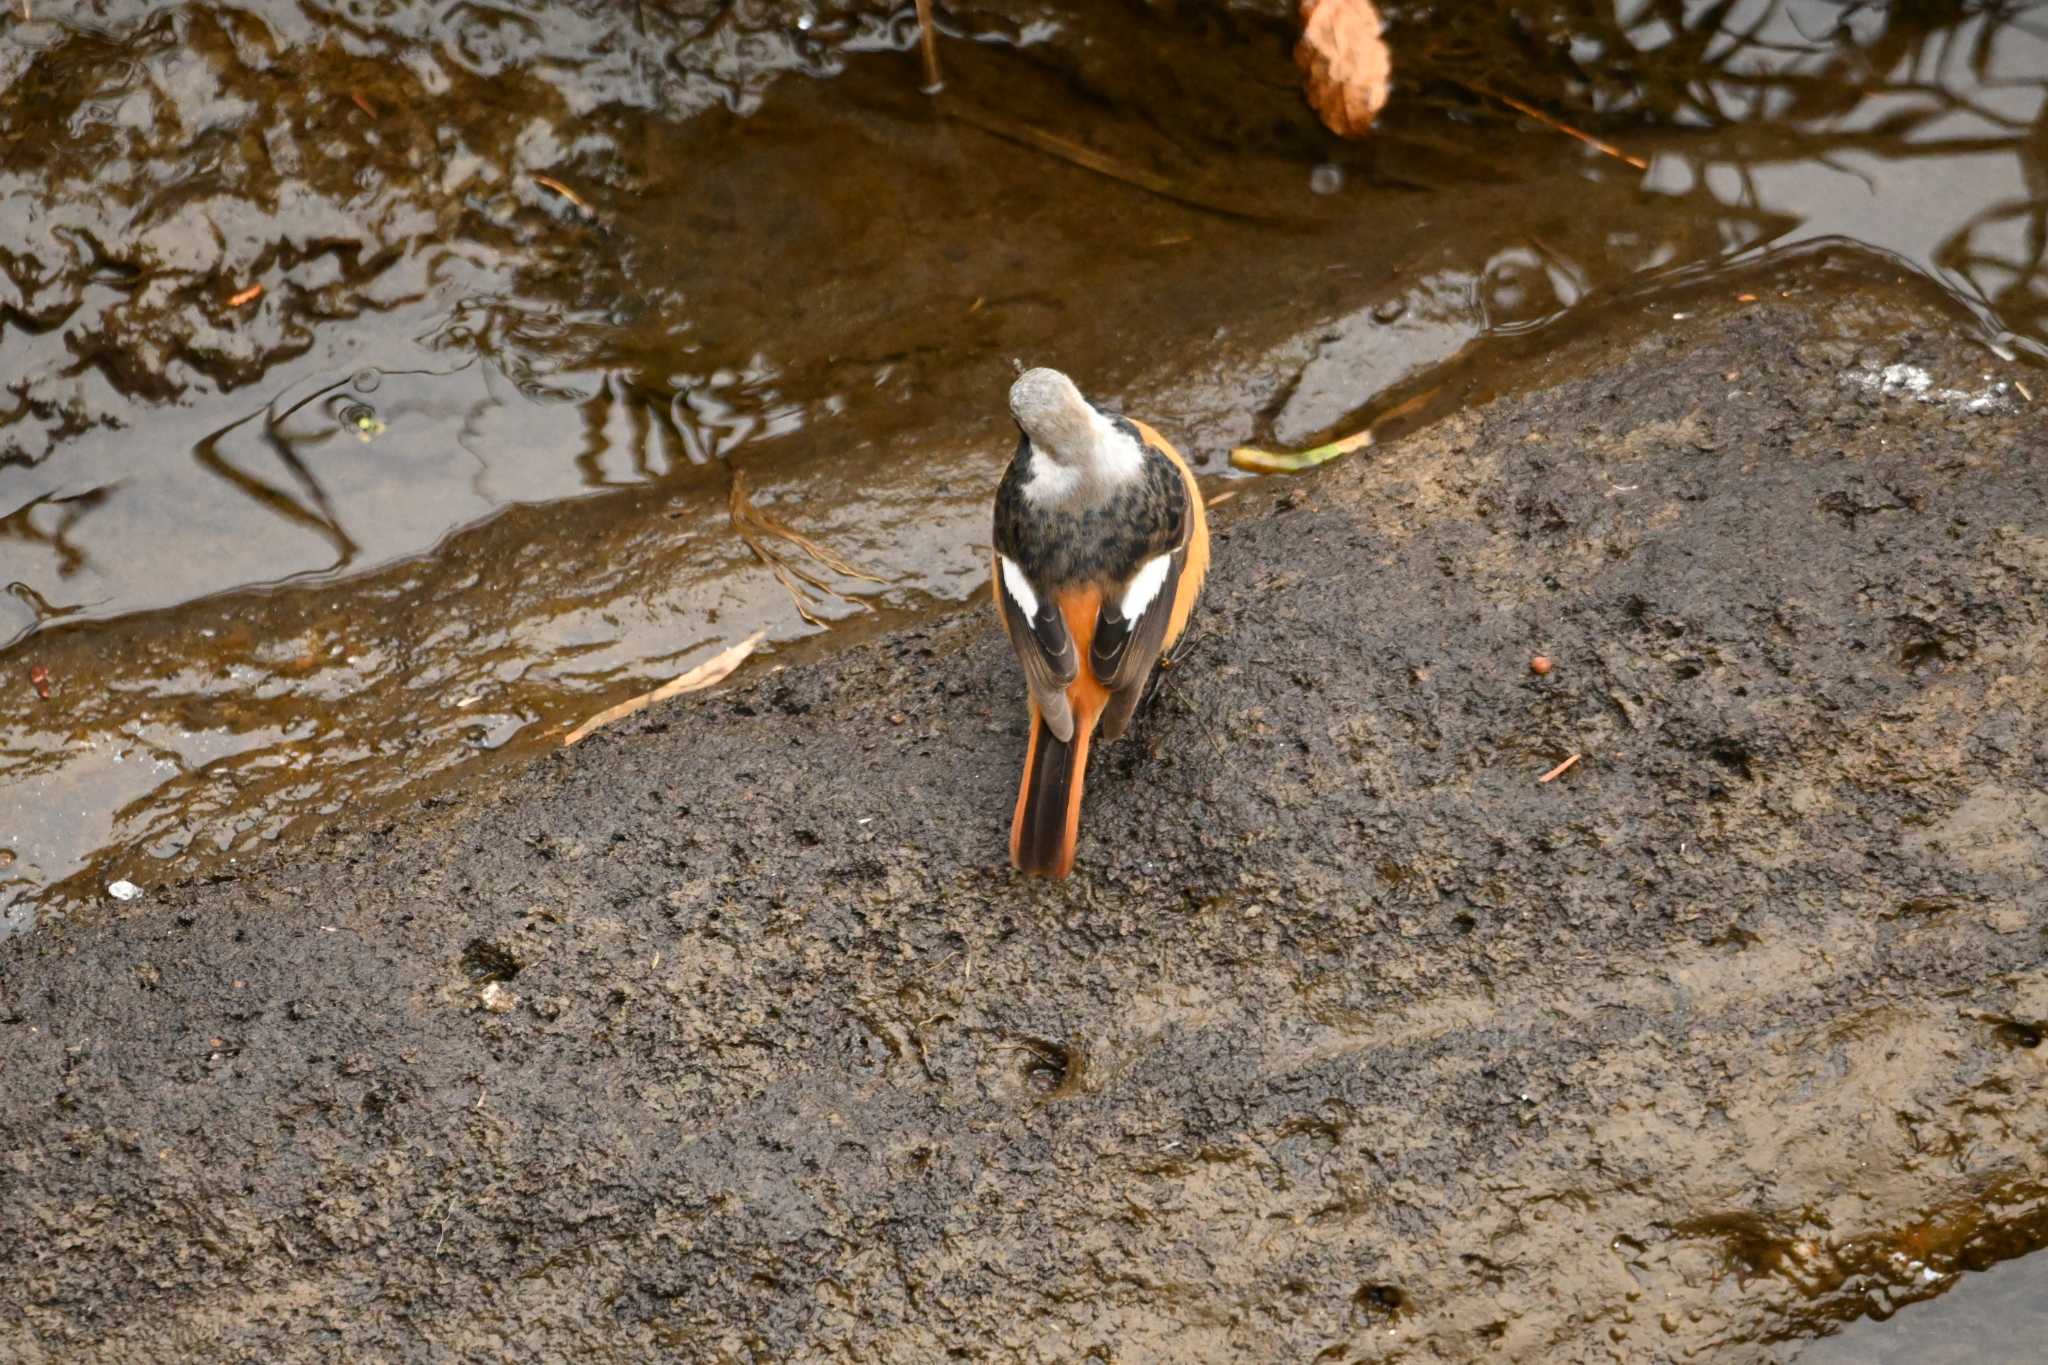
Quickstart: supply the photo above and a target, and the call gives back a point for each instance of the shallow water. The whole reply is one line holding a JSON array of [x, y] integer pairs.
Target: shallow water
[[537, 280], [1990, 1317]]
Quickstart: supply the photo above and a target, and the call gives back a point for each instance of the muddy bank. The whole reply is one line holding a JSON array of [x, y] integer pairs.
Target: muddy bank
[[728, 1035], [373, 386]]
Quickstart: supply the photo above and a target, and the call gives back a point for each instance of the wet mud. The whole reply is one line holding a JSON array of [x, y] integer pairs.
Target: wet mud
[[538, 280], [727, 1036]]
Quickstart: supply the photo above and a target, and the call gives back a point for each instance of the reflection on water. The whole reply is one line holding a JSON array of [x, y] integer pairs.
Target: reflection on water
[[514, 258], [1916, 129], [1997, 1314]]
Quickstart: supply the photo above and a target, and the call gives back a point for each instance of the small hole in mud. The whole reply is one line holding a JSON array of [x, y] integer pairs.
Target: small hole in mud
[[2017, 1033], [485, 962], [1465, 922], [1730, 753], [1051, 1069], [1380, 1301], [1921, 652]]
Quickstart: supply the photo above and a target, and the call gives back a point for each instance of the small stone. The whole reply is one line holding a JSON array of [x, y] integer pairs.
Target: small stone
[[497, 999], [1539, 665], [124, 890]]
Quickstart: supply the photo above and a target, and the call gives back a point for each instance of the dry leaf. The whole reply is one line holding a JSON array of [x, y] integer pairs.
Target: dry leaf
[[1346, 63], [713, 670], [1255, 461]]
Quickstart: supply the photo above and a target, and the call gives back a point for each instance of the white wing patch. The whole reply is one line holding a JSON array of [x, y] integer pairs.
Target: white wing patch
[[1019, 587], [1145, 585]]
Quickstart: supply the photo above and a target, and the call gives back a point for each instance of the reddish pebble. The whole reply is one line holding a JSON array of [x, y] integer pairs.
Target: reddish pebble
[[1539, 665], [40, 676]]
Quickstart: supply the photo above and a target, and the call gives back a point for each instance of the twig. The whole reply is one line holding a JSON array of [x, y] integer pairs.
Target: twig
[[249, 295], [928, 33], [1556, 772]]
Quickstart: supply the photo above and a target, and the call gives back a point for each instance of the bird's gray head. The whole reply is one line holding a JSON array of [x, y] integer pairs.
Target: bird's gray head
[[1054, 415]]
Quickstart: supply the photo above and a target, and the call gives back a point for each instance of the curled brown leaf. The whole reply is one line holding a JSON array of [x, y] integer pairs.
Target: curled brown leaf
[[1345, 62]]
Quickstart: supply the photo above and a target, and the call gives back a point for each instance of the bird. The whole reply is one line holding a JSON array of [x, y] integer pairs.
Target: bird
[[1100, 548]]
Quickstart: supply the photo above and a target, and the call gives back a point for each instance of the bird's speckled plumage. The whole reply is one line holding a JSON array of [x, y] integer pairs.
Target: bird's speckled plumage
[[1091, 505]]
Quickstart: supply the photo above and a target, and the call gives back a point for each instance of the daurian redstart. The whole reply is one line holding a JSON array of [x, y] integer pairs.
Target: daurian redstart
[[1100, 548]]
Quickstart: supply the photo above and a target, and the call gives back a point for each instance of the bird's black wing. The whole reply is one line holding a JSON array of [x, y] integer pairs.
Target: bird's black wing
[[1045, 648], [1124, 649], [1037, 630]]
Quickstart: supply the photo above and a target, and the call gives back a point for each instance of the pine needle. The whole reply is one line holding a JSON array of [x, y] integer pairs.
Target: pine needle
[[1088, 159], [1548, 121], [756, 528], [928, 36]]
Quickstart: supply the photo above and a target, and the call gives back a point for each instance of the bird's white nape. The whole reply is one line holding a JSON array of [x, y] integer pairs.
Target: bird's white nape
[[1049, 480], [1117, 452], [1144, 586]]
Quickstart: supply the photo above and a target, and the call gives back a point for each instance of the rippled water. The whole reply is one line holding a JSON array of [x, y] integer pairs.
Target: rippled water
[[536, 279]]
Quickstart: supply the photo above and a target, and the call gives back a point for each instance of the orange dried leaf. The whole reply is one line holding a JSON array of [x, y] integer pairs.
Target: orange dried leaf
[[1348, 70]]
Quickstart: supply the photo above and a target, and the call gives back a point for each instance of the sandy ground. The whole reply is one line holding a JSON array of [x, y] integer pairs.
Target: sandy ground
[[728, 1036]]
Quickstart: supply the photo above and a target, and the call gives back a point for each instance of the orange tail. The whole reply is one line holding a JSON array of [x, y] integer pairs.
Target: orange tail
[[1048, 819]]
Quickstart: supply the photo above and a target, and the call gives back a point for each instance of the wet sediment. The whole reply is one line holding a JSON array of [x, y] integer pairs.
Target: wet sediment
[[727, 1033]]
